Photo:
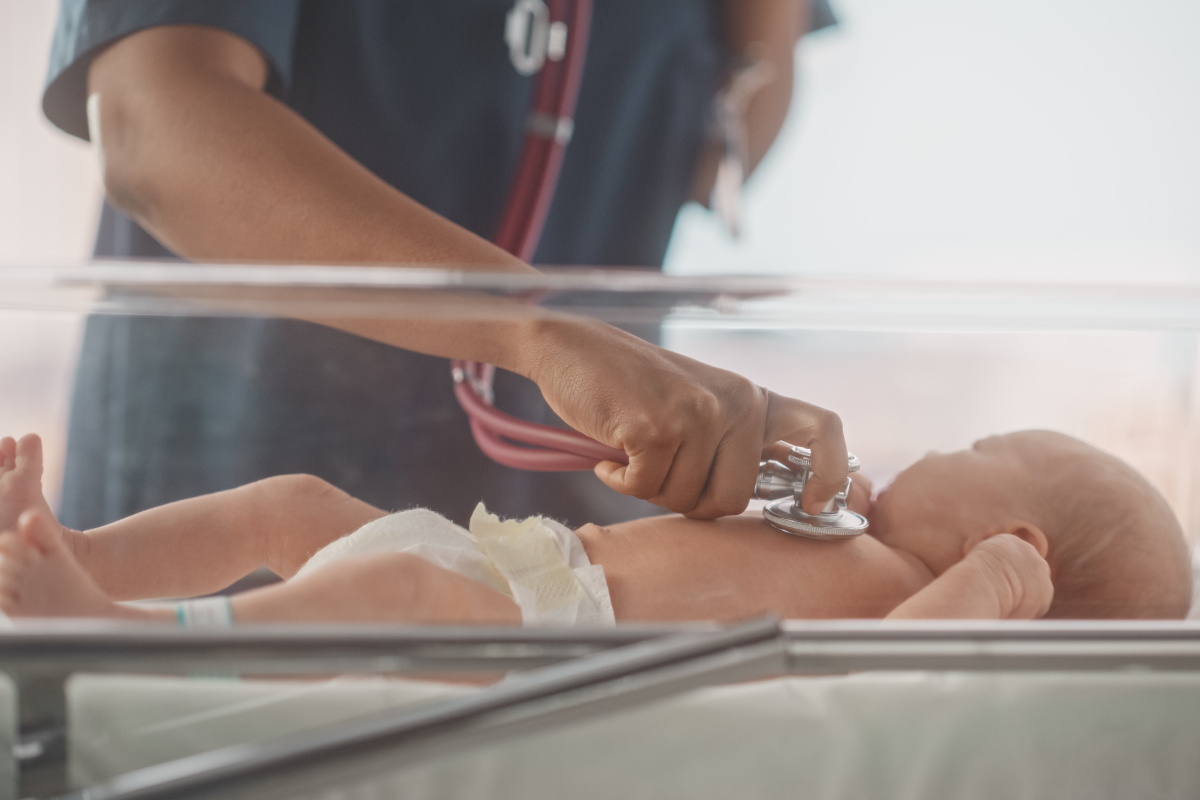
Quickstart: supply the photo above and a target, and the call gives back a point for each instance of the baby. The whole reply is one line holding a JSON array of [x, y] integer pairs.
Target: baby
[[1020, 526]]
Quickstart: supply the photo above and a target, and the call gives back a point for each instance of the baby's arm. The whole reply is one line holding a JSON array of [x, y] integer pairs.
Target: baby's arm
[[201, 545], [1004, 577]]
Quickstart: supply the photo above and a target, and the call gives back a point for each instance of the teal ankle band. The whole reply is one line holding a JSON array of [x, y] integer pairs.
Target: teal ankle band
[[205, 612]]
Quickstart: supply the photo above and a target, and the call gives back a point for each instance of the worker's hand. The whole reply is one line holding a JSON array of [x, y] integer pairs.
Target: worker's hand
[[694, 434]]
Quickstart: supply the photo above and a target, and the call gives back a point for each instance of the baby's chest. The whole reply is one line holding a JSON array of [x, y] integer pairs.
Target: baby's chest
[[724, 583]]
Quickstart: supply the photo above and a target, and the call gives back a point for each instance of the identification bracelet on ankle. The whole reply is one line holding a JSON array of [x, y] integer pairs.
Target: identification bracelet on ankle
[[205, 612]]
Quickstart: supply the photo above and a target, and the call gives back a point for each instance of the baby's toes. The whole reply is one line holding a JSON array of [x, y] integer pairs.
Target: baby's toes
[[8, 454], [28, 453]]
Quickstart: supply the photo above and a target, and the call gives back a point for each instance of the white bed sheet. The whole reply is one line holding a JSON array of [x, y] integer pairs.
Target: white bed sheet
[[8, 738], [1195, 612], [915, 735]]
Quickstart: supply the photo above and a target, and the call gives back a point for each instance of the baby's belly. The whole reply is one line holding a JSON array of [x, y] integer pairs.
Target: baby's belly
[[673, 568]]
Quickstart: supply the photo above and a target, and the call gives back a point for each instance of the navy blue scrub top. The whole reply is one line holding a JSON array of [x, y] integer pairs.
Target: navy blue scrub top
[[423, 94]]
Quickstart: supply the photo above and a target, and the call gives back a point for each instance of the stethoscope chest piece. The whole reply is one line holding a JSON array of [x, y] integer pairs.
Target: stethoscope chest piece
[[784, 483], [787, 517]]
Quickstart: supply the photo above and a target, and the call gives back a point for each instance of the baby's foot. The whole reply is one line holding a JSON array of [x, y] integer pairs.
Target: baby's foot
[[39, 577], [21, 487], [20, 479]]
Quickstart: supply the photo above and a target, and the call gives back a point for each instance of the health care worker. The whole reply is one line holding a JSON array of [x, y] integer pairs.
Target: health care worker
[[388, 131]]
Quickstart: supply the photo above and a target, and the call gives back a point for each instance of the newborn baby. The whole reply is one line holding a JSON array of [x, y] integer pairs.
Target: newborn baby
[[1020, 526]]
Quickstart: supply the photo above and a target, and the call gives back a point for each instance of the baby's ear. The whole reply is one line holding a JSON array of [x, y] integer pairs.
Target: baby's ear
[[1022, 529]]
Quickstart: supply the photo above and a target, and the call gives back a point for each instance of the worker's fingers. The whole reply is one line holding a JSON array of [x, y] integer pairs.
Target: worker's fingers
[[688, 475], [8, 452], [779, 451], [731, 482], [646, 471], [652, 404], [861, 489], [821, 432]]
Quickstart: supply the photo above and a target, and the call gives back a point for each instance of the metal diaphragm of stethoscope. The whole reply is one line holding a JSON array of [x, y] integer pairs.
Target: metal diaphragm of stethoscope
[[784, 483], [551, 39]]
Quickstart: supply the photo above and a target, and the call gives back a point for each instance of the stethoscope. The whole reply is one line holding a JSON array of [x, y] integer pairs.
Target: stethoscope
[[549, 38]]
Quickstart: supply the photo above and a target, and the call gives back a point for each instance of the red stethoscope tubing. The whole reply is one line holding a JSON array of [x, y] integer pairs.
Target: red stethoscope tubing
[[504, 438], [555, 99], [551, 449]]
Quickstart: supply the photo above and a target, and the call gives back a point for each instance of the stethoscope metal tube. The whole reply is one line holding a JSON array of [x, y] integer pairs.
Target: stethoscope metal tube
[[530, 446]]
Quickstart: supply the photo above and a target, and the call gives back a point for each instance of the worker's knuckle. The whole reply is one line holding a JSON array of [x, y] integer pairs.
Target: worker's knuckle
[[680, 504], [729, 505], [704, 405], [304, 485], [641, 486], [722, 499], [658, 435], [642, 492], [828, 423]]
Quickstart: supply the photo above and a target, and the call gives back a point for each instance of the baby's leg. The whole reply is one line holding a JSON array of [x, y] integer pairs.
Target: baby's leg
[[119, 561], [1004, 577], [40, 577], [201, 545], [386, 587]]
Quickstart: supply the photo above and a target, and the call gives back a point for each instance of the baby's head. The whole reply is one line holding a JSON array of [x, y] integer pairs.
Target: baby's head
[[1114, 547]]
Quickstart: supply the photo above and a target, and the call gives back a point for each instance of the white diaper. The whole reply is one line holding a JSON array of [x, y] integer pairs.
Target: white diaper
[[537, 562]]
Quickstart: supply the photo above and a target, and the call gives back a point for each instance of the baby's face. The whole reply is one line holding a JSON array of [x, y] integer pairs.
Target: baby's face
[[944, 501]]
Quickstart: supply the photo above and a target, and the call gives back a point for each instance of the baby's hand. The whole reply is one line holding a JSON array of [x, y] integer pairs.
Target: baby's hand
[[1017, 572]]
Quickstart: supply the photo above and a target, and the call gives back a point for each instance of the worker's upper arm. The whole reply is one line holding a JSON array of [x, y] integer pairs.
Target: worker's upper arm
[[170, 53], [88, 30], [148, 91]]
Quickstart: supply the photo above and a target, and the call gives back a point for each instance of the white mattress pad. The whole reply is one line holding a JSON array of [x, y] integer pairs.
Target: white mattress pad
[[901, 735]]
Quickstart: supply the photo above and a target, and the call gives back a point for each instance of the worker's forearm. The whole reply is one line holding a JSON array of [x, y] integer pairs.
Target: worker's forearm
[[771, 29], [218, 170], [765, 29]]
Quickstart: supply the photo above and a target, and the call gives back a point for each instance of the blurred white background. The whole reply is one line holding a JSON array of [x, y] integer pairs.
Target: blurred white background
[[49, 203], [1037, 139], [49, 185], [967, 138], [1044, 140]]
